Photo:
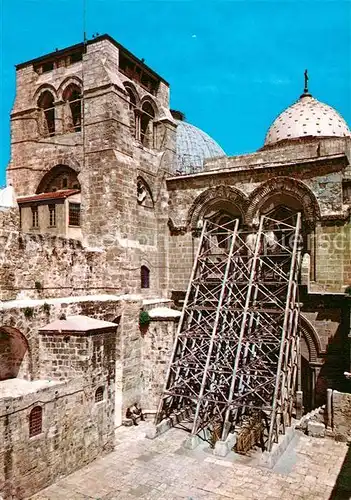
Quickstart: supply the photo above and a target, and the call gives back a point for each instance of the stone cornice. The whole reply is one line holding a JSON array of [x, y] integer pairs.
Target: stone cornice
[[339, 160], [24, 112], [342, 216]]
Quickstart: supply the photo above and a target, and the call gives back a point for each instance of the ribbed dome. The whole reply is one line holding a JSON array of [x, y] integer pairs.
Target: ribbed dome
[[307, 117], [193, 147]]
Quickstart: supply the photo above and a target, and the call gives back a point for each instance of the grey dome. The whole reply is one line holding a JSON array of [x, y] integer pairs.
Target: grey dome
[[305, 118], [193, 147]]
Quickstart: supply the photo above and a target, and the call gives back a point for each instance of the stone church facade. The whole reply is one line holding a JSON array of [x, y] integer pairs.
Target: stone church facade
[[107, 191]]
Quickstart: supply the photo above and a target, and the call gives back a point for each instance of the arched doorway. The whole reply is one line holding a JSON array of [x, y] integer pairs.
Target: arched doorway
[[306, 376], [14, 354], [310, 364]]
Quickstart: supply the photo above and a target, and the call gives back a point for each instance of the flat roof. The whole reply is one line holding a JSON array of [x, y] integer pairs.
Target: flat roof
[[80, 46], [78, 323], [16, 387], [55, 195]]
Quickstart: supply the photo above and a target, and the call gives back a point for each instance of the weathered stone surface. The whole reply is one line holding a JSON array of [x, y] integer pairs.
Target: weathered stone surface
[[315, 429], [341, 407]]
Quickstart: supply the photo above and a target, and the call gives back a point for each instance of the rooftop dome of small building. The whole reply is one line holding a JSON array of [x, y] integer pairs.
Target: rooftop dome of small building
[[193, 146], [306, 118]]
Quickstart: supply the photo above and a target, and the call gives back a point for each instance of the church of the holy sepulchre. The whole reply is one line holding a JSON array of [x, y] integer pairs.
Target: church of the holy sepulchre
[[140, 263]]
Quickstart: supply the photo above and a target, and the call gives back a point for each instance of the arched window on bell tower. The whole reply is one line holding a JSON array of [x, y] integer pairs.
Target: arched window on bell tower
[[73, 112], [134, 116], [147, 125], [47, 118]]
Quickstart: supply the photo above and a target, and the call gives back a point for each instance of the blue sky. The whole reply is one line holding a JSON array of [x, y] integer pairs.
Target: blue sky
[[232, 65]]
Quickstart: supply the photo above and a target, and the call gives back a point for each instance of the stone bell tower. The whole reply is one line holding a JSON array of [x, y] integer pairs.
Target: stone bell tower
[[96, 119]]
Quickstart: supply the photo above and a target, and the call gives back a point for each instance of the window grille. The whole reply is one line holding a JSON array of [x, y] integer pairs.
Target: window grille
[[35, 421], [74, 214], [52, 215], [99, 394], [35, 217]]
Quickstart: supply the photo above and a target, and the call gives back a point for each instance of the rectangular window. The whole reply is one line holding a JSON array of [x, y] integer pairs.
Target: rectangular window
[[35, 217], [48, 66], [52, 215], [74, 214], [346, 191], [75, 57]]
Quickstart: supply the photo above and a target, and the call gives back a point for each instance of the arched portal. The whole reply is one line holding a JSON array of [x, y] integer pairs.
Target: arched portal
[[14, 354], [281, 198], [215, 203], [283, 191]]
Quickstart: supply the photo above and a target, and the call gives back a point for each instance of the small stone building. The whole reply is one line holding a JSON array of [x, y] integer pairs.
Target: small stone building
[[111, 189]]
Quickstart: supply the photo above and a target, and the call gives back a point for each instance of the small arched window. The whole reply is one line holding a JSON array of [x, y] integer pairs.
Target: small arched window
[[145, 277], [99, 394], [72, 96], [134, 117], [35, 421], [47, 107], [147, 131]]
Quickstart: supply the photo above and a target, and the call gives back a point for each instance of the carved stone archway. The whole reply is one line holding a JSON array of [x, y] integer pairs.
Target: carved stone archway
[[284, 185], [218, 194], [312, 339]]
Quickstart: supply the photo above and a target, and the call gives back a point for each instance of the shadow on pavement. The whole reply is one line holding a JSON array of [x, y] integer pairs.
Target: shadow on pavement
[[342, 487]]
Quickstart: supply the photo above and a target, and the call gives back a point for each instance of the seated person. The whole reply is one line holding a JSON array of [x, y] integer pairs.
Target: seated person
[[134, 412]]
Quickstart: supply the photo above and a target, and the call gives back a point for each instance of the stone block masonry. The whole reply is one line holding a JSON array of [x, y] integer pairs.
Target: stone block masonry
[[75, 430], [157, 346], [341, 416], [46, 266]]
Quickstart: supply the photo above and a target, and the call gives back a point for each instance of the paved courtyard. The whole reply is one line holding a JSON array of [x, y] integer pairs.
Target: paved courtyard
[[158, 469]]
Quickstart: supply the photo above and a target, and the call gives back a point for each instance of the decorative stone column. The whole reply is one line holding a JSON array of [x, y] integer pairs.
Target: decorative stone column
[[59, 117]]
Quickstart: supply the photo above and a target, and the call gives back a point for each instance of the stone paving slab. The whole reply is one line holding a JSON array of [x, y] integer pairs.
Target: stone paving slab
[[161, 469]]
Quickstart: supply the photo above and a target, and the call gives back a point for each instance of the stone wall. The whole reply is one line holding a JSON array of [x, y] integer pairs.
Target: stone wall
[[333, 257], [64, 357], [183, 248], [157, 344], [75, 431], [46, 266], [341, 416]]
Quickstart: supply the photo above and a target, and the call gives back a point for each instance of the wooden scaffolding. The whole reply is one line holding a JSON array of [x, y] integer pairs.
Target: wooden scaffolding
[[236, 352]]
